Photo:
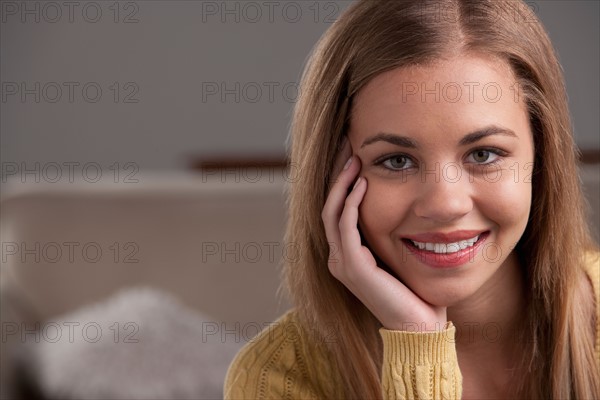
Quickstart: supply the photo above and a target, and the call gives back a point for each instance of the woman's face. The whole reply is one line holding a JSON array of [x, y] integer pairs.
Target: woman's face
[[447, 152]]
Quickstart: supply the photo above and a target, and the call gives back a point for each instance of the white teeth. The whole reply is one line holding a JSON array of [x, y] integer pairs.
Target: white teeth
[[446, 248]]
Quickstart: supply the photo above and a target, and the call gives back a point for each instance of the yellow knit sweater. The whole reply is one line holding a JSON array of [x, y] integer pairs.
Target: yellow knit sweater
[[282, 362]]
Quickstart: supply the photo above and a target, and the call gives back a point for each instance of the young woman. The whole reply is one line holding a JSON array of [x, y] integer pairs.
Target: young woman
[[444, 247]]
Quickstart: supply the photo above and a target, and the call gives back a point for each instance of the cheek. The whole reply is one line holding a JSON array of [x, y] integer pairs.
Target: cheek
[[506, 200], [383, 208]]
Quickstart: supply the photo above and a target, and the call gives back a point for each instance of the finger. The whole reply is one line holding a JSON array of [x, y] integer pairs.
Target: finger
[[348, 225], [363, 276], [332, 210], [342, 156]]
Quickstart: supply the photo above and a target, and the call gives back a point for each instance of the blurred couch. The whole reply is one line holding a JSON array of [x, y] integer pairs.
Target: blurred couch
[[213, 241]]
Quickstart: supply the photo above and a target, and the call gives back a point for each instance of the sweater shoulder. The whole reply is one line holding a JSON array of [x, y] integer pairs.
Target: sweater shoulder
[[592, 268], [277, 363]]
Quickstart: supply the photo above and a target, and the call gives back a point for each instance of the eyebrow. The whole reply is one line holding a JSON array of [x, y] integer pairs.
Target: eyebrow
[[410, 143]]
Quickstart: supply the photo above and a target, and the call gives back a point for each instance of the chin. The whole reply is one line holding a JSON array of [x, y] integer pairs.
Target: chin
[[444, 296], [443, 299]]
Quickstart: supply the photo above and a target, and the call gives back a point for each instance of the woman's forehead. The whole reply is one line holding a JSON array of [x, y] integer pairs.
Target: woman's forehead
[[459, 94], [444, 80]]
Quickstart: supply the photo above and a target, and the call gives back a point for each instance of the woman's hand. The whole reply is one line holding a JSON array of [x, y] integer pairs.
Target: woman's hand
[[394, 304]]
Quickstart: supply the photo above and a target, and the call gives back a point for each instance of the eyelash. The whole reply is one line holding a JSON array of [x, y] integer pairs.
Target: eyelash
[[498, 152]]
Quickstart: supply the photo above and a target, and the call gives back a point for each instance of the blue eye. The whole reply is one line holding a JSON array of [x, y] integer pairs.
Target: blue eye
[[397, 162]]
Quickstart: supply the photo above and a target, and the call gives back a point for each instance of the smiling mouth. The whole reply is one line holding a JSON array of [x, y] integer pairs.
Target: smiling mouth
[[445, 248]]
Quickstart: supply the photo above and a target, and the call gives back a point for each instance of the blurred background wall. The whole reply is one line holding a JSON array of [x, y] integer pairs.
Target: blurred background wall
[[163, 83]]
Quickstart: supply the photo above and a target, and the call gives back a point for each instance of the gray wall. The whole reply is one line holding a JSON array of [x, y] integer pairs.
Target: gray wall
[[154, 60]]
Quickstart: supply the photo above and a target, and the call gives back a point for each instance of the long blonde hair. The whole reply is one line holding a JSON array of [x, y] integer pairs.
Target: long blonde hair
[[374, 36]]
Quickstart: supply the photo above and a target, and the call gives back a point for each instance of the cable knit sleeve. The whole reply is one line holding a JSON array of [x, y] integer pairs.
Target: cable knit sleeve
[[592, 265], [283, 362], [274, 366], [420, 365]]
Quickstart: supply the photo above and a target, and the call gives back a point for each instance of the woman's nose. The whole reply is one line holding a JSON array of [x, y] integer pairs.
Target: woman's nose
[[445, 196]]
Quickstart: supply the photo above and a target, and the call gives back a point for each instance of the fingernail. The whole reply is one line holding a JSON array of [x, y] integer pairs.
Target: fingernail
[[347, 165], [357, 182]]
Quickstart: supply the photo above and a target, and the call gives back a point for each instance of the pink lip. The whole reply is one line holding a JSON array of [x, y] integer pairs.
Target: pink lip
[[451, 260], [440, 237]]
